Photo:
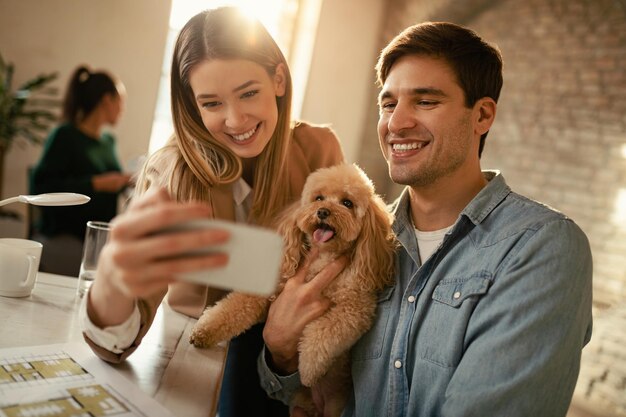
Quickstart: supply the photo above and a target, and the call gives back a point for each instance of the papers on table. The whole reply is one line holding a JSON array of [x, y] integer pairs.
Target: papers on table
[[67, 380]]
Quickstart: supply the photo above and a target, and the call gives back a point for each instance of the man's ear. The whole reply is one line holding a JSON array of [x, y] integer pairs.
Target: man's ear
[[484, 115], [280, 80]]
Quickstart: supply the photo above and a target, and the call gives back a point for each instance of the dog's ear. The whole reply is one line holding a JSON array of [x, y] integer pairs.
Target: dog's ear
[[293, 240], [374, 255]]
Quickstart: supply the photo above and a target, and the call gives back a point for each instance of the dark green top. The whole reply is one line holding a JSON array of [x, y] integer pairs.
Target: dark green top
[[69, 161]]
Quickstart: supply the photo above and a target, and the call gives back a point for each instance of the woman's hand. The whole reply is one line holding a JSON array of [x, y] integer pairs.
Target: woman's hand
[[110, 182], [139, 262], [298, 304]]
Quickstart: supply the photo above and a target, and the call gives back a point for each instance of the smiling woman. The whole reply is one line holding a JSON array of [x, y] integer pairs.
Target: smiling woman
[[278, 16], [236, 155]]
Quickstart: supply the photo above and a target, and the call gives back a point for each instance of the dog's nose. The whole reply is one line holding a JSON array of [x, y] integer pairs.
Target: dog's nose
[[323, 213]]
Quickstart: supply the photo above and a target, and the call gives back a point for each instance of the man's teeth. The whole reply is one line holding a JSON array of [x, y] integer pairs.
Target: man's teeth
[[245, 135], [402, 147]]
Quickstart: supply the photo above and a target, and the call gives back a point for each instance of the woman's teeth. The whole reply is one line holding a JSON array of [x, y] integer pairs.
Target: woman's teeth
[[245, 135], [403, 147]]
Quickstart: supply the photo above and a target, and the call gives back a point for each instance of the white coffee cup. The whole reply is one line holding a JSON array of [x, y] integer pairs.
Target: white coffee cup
[[19, 263]]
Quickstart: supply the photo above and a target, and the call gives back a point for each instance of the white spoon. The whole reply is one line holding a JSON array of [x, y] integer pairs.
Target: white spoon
[[50, 199]]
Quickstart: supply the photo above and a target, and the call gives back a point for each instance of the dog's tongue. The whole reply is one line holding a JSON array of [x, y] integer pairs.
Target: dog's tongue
[[322, 235]]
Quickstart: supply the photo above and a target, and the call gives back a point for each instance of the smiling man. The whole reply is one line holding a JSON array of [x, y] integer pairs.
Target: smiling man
[[492, 301]]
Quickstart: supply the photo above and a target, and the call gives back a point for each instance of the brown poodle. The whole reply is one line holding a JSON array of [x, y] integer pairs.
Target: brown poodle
[[340, 214]]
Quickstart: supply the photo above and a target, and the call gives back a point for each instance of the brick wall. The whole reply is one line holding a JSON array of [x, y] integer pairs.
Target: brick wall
[[559, 137]]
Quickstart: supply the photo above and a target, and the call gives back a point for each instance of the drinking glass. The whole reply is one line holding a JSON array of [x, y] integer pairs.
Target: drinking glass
[[96, 236]]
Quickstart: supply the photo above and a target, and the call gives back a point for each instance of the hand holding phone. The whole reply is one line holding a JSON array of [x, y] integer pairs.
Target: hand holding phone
[[254, 258]]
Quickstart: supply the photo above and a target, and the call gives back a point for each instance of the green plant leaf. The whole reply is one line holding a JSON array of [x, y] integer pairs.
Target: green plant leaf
[[28, 112]]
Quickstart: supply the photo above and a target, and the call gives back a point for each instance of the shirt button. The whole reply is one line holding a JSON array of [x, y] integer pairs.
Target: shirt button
[[272, 384], [411, 299], [457, 295], [397, 364]]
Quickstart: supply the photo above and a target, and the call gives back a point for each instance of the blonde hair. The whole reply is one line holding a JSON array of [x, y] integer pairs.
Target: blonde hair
[[202, 162]]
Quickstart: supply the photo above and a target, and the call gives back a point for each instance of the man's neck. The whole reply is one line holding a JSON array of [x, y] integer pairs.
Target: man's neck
[[438, 205]]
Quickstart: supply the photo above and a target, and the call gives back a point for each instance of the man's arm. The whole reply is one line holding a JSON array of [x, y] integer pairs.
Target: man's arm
[[524, 342], [297, 305], [279, 387]]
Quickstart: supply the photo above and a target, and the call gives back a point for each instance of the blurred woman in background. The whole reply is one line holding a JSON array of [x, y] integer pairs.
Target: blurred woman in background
[[79, 157]]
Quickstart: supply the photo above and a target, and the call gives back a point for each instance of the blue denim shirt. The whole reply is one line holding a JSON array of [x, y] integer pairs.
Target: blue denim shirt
[[492, 324]]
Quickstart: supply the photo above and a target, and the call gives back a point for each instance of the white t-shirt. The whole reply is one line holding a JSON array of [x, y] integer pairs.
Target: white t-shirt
[[118, 338], [428, 242]]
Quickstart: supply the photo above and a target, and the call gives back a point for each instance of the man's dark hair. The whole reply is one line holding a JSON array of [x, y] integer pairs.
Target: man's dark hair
[[476, 63]]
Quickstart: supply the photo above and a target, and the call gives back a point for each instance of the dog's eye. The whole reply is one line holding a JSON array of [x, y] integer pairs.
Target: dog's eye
[[347, 203], [319, 198]]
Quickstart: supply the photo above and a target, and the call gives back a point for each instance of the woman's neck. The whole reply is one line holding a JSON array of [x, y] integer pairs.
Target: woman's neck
[[248, 166], [91, 125]]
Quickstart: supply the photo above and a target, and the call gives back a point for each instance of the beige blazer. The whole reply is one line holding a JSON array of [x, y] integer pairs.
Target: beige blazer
[[312, 147]]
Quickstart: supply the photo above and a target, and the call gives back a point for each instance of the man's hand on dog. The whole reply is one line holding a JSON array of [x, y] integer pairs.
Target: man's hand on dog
[[298, 304]]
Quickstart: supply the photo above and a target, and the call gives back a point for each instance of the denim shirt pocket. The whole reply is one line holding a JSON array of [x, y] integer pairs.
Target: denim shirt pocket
[[454, 292], [440, 339], [370, 345]]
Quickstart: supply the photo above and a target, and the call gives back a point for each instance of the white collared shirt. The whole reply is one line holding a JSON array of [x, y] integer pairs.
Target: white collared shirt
[[242, 194]]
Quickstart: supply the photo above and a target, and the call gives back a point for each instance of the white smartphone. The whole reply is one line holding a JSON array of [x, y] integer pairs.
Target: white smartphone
[[254, 258]]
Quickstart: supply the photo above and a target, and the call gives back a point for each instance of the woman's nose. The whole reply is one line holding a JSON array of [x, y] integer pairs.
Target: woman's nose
[[235, 117]]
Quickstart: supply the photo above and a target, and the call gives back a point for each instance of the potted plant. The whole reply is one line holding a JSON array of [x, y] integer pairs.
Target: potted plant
[[26, 113]]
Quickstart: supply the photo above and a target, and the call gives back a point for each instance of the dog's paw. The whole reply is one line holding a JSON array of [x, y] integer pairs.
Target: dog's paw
[[310, 372], [201, 338]]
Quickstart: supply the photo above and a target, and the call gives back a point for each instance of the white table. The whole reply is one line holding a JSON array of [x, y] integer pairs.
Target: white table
[[185, 380]]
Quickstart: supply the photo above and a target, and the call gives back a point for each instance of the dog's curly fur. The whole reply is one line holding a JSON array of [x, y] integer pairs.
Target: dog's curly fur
[[340, 214]]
